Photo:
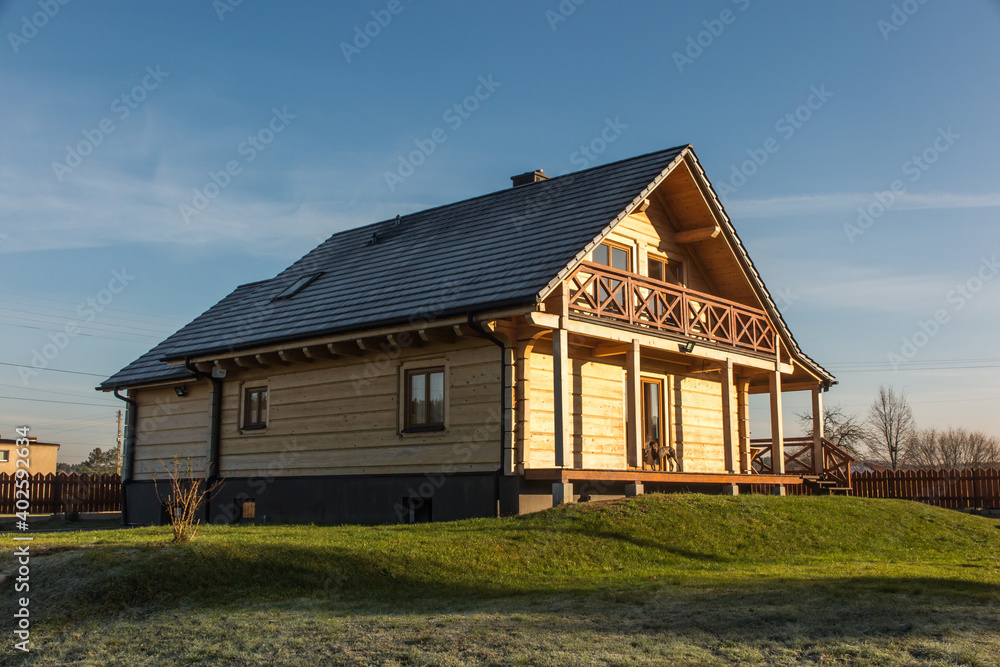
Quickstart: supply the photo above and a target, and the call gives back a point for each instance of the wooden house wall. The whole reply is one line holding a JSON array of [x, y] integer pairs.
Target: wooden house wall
[[597, 412], [337, 417], [653, 234], [168, 426]]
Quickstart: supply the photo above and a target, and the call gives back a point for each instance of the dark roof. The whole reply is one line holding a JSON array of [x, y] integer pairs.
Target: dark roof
[[492, 251]]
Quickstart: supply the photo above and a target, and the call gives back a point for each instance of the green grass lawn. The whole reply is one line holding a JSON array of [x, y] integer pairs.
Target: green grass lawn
[[655, 580]]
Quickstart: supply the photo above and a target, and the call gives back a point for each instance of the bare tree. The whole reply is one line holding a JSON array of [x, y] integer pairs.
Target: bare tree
[[890, 427], [844, 430], [954, 449]]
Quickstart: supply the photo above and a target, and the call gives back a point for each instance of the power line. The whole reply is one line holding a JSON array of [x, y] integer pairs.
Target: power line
[[889, 369], [73, 303], [119, 330], [52, 391], [42, 400], [84, 324], [54, 370], [121, 340]]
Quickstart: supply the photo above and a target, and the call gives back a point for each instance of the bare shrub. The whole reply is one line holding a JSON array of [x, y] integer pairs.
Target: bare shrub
[[185, 498]]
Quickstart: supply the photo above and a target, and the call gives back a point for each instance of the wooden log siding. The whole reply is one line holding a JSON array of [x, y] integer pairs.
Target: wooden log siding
[[341, 417], [633, 299], [56, 493], [953, 489]]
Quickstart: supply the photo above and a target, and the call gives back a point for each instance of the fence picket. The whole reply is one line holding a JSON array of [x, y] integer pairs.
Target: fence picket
[[953, 489], [55, 493]]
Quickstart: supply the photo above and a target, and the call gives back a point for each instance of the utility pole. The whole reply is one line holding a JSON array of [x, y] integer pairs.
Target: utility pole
[[118, 449]]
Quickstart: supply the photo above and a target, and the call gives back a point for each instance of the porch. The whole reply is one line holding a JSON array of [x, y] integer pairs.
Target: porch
[[690, 362]]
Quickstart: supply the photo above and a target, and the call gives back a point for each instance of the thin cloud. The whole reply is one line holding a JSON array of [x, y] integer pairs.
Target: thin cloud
[[849, 201]]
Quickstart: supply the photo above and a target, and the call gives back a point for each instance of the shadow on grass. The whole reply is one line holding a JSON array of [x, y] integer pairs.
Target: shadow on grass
[[103, 582]]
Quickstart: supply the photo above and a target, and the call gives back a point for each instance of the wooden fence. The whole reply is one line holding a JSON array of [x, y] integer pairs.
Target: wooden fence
[[53, 494], [954, 489]]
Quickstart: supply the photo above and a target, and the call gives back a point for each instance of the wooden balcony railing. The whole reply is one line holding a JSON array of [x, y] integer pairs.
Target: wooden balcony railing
[[799, 459], [629, 298]]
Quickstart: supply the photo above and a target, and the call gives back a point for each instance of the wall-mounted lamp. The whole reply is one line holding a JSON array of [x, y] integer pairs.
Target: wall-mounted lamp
[[687, 347], [181, 390]]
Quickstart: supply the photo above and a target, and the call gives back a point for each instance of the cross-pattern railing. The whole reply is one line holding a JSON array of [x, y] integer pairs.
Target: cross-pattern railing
[[629, 298], [799, 459]]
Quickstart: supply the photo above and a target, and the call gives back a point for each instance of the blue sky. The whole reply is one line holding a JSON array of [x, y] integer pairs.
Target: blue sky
[[161, 95]]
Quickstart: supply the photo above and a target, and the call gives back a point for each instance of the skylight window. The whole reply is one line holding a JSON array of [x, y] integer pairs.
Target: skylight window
[[297, 286]]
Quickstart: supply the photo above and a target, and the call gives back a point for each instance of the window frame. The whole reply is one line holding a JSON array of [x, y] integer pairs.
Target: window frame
[[245, 416], [667, 260], [661, 385], [619, 246], [406, 369], [427, 425], [297, 286], [4, 456]]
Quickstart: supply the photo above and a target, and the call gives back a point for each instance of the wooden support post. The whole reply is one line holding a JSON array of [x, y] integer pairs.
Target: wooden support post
[[743, 421], [562, 492], [730, 439], [507, 419], [522, 444], [777, 427], [817, 411], [633, 382], [561, 388], [634, 489]]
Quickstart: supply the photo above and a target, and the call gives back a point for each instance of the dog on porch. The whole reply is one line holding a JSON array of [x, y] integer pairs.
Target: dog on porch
[[659, 456]]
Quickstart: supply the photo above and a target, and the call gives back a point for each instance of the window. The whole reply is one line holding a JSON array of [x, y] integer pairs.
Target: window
[[425, 399], [297, 286], [255, 407], [667, 270], [4, 455], [614, 255]]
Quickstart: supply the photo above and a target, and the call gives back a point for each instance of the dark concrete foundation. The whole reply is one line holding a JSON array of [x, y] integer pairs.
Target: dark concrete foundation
[[361, 499]]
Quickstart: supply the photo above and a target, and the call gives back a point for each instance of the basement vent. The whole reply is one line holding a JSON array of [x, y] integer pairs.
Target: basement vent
[[248, 509], [418, 510]]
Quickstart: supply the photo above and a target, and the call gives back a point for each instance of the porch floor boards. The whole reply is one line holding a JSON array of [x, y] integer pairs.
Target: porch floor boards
[[564, 475]]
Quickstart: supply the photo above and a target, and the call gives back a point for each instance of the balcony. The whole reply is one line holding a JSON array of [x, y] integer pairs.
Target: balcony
[[628, 298]]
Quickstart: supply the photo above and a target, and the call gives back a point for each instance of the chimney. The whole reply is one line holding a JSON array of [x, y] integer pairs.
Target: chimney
[[528, 178]]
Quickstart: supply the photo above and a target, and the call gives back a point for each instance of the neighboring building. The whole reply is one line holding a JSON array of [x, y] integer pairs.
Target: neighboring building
[[496, 355], [42, 457]]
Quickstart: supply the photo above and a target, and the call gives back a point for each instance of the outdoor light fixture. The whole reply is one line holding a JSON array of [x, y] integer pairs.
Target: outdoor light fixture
[[181, 390], [687, 347]]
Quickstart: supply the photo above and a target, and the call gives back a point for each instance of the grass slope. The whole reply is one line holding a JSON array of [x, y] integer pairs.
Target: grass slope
[[678, 578]]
